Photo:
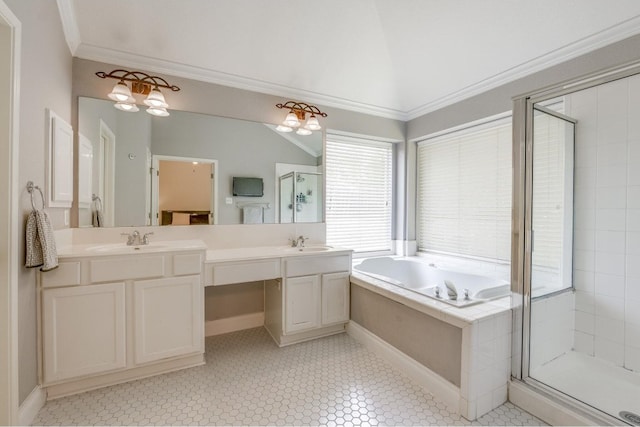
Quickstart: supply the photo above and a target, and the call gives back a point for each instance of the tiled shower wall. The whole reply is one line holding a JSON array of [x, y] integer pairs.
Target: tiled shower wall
[[607, 221]]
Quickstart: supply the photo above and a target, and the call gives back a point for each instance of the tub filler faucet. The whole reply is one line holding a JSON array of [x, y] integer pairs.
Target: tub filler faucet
[[451, 290]]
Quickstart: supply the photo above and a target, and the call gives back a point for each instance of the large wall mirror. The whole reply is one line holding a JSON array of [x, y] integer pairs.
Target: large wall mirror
[[135, 169]]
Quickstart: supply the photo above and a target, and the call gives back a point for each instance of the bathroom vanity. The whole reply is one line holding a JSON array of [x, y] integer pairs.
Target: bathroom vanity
[[112, 313]]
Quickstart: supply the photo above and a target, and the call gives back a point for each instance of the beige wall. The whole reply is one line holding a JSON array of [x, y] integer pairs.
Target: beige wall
[[222, 302], [45, 82], [184, 186], [432, 342]]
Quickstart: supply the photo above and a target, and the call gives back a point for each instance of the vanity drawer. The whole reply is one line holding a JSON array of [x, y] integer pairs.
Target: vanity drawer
[[241, 272], [135, 267], [67, 274], [302, 266], [184, 264]]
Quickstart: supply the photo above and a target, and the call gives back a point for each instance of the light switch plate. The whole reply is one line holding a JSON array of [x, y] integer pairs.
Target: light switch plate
[[228, 200]]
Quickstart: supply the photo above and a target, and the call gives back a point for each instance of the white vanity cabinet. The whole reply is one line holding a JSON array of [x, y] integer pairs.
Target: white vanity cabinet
[[301, 302], [167, 317], [312, 299], [83, 330], [109, 319]]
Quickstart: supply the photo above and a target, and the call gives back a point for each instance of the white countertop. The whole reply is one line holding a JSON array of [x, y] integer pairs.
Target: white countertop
[[109, 249], [264, 252]]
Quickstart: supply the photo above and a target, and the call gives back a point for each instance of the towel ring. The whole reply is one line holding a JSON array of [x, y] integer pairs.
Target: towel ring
[[30, 187]]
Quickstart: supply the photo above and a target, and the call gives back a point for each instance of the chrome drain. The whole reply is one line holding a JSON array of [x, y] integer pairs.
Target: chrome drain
[[630, 417]]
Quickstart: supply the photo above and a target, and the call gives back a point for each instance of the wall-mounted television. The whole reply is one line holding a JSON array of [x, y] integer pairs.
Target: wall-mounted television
[[248, 187]]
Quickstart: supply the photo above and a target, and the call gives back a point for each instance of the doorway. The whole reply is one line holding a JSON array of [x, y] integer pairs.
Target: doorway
[[183, 190]]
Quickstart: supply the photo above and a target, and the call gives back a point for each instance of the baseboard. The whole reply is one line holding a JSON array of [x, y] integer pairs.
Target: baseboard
[[232, 324], [71, 387], [550, 411], [29, 409], [425, 377]]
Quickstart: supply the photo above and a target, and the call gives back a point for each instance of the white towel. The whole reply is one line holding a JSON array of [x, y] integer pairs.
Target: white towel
[[252, 215], [41, 244]]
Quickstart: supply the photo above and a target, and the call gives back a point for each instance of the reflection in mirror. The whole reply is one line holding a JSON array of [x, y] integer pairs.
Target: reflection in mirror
[[146, 170], [299, 195]]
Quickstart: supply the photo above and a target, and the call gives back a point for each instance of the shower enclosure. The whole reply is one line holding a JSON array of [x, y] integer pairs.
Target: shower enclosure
[[300, 197], [576, 252]]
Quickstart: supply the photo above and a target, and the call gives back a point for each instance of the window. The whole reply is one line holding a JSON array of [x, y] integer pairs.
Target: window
[[464, 192], [359, 194]]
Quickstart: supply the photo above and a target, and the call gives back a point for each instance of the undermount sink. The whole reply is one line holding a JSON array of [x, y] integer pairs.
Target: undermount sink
[[123, 248], [311, 249]]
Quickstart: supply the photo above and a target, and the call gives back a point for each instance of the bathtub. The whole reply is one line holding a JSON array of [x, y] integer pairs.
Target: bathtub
[[415, 274]]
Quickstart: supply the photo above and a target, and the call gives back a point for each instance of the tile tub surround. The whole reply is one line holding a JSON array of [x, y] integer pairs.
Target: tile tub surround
[[485, 359], [248, 380]]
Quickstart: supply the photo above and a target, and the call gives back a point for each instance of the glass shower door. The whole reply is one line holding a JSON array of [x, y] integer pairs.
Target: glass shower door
[[579, 274], [286, 198]]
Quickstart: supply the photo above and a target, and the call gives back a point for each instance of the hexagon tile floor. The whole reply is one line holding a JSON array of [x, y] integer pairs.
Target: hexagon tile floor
[[248, 380]]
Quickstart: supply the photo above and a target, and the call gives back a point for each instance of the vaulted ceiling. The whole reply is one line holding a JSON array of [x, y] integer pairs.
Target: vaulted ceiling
[[391, 58]]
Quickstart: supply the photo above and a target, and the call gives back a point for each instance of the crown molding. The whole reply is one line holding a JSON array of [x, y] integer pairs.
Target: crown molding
[[100, 54], [570, 51], [69, 24], [587, 44]]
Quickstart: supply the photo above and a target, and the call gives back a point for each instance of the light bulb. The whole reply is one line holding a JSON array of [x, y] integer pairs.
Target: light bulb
[[158, 111], [126, 106], [303, 131], [291, 120], [156, 99], [283, 128], [312, 123], [120, 92]]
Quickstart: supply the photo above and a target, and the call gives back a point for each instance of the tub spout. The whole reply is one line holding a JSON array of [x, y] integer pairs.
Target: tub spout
[[451, 290]]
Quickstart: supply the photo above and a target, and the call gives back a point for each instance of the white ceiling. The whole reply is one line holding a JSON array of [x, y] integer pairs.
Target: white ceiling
[[391, 58]]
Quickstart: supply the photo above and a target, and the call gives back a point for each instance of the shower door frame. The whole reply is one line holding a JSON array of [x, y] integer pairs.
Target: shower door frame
[[521, 223]]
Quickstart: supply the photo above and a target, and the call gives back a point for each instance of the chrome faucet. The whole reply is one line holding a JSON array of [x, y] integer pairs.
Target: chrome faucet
[[134, 239], [298, 242], [145, 238]]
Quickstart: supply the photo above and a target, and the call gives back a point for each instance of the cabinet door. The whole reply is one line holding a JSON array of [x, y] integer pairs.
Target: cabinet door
[[335, 298], [302, 303], [168, 318], [83, 330]]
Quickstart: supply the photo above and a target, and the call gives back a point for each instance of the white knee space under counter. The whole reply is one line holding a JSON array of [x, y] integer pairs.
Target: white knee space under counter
[[306, 290]]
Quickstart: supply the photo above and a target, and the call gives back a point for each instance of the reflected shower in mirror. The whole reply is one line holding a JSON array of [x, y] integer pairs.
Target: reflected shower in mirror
[[142, 170]]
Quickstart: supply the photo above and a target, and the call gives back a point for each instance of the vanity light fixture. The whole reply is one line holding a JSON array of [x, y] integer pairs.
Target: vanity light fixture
[[141, 83], [297, 114]]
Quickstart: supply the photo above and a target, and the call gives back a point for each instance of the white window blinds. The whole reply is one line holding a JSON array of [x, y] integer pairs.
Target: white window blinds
[[464, 192], [359, 194]]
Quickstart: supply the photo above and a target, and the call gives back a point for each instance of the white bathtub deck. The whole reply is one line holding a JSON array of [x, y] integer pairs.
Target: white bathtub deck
[[459, 317]]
